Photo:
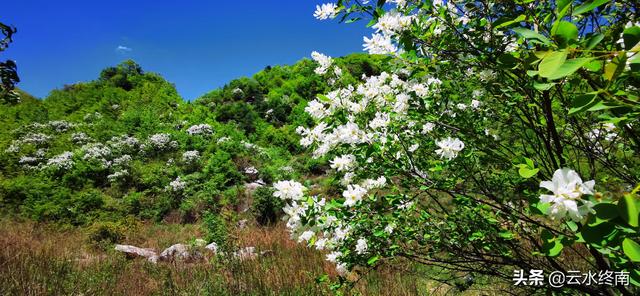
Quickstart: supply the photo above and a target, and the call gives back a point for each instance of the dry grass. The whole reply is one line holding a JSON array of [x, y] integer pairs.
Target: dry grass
[[38, 259]]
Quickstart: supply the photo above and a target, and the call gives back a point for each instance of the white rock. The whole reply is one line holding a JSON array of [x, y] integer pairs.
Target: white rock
[[133, 251], [245, 253], [213, 247], [179, 252]]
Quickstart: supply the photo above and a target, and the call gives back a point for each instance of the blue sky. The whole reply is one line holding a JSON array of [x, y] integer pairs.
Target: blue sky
[[198, 45]]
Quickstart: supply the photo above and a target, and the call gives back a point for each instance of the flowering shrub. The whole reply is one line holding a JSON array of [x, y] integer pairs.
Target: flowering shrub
[[440, 159], [200, 129], [162, 142]]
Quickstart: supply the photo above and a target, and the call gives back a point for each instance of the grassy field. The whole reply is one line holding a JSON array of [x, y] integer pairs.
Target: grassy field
[[37, 259]]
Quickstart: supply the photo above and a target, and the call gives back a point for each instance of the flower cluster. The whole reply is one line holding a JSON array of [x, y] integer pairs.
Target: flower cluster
[[118, 175], [200, 129], [60, 126], [324, 62], [36, 139], [80, 138], [568, 190], [177, 185], [190, 156], [326, 11], [62, 161], [161, 142]]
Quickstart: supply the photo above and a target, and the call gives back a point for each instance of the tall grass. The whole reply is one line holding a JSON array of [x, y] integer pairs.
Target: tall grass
[[40, 259]]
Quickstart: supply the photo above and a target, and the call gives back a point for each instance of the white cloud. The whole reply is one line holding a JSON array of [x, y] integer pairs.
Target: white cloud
[[123, 49]]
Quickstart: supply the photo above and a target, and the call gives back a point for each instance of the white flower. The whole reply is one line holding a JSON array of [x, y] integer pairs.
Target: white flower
[[341, 268], [567, 188], [381, 120], [389, 229], [200, 129], [461, 106], [379, 44], [326, 11], [449, 148], [392, 22], [316, 109], [372, 184], [477, 93], [191, 156], [324, 61], [428, 127], [321, 244], [487, 75], [288, 190], [353, 194], [61, 161], [361, 246], [178, 184], [333, 256], [343, 163], [413, 147], [117, 175], [162, 142], [306, 236], [475, 104]]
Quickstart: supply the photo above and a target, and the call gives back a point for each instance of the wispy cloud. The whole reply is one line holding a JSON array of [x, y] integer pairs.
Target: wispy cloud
[[123, 49]]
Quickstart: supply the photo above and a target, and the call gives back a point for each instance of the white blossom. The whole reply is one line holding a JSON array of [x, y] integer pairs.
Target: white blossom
[[191, 156], [449, 147], [61, 161], [200, 129], [353, 195], [343, 163], [323, 61], [379, 44], [326, 11], [288, 190], [361, 246], [177, 184], [567, 188]]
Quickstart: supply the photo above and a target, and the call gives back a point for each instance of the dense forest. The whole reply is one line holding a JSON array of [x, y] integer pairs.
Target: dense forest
[[126, 146]]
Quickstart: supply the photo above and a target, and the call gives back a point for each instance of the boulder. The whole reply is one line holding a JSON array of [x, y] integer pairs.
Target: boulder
[[245, 253], [132, 252], [213, 247], [180, 252]]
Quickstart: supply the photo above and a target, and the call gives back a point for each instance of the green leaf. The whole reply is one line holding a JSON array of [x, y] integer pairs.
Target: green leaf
[[572, 225], [531, 35], [564, 32], [526, 172], [631, 37], [503, 22], [562, 7], [569, 67], [597, 234], [593, 41], [606, 211], [551, 63], [373, 260], [542, 86], [583, 102], [552, 248], [589, 6], [628, 209], [631, 249]]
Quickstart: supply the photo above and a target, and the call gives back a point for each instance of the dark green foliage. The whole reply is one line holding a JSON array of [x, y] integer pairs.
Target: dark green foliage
[[266, 208], [216, 229]]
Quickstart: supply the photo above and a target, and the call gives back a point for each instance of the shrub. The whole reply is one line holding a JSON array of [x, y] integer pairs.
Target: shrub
[[266, 208]]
